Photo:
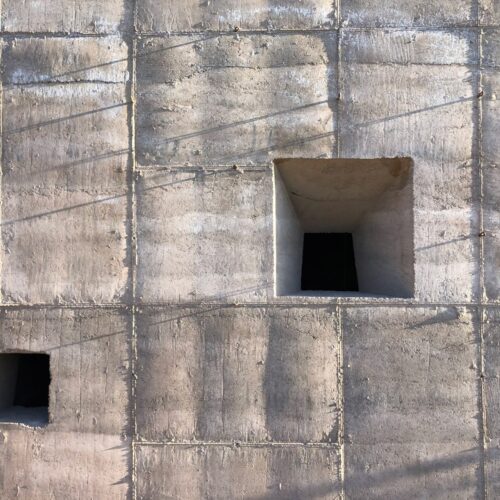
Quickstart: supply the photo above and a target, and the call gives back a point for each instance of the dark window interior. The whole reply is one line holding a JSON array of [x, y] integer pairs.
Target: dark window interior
[[33, 380], [328, 262], [24, 388]]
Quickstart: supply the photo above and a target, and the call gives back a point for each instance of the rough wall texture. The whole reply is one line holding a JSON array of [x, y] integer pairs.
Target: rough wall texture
[[143, 262]]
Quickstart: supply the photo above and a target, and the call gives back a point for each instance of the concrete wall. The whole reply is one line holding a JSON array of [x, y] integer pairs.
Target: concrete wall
[[138, 258]]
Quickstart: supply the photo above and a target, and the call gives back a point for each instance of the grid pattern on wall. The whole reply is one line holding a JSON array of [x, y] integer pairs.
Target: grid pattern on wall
[[138, 140]]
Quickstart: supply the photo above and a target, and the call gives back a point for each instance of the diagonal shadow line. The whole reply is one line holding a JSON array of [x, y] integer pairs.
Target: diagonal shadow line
[[305, 106], [63, 118], [466, 457], [64, 209], [198, 312], [82, 161], [440, 318], [360, 484], [125, 59], [297, 142], [226, 157], [102, 200], [408, 113], [455, 240], [247, 153], [238, 123], [203, 303], [84, 341], [243, 122]]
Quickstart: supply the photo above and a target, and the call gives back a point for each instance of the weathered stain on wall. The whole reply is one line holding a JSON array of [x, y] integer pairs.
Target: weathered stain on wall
[[138, 249]]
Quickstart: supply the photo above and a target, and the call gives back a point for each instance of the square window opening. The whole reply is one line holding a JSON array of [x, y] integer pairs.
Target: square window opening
[[344, 227], [24, 388]]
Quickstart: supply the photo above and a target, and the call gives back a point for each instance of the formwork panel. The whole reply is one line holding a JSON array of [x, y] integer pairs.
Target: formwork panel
[[243, 374], [189, 236], [179, 15], [46, 464], [196, 472], [411, 389], [65, 153], [244, 99], [89, 364], [407, 13], [69, 16]]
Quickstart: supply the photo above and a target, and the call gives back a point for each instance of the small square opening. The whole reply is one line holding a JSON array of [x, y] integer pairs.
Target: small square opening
[[24, 388], [328, 262], [344, 227]]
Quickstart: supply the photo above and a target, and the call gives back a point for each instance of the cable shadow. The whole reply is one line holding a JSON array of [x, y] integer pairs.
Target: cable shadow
[[361, 485], [297, 142], [85, 341], [61, 119], [242, 122], [202, 304], [101, 200], [448, 242], [409, 113], [139, 55], [300, 141]]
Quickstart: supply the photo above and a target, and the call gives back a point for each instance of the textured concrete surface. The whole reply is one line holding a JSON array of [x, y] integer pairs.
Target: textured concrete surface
[[84, 451], [188, 229], [67, 16], [424, 109], [492, 399], [411, 401], [138, 249], [219, 100], [240, 374], [65, 150], [407, 13], [491, 157], [58, 464], [89, 364], [249, 472], [191, 15]]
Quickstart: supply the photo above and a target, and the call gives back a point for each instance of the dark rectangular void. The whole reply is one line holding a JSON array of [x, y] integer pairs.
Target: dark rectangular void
[[328, 262], [24, 388]]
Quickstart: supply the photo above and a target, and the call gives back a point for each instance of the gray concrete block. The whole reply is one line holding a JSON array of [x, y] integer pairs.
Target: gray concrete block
[[492, 400], [424, 110], [189, 236], [89, 359], [491, 221], [490, 118], [490, 39], [244, 374], [71, 16], [65, 153], [489, 12], [219, 100], [392, 472], [250, 473], [59, 465], [190, 15], [411, 402], [407, 13], [35, 60], [490, 150]]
